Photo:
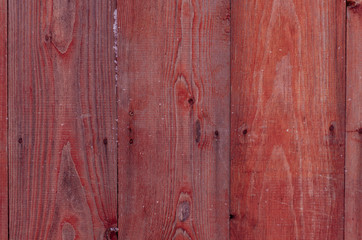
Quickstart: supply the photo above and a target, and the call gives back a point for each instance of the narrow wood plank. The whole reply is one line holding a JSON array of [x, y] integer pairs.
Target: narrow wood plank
[[3, 123], [287, 119], [62, 119], [174, 81], [353, 218]]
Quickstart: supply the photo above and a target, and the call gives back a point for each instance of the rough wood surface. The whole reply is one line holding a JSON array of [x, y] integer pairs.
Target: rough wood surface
[[3, 123], [353, 223], [287, 119], [62, 119], [174, 81]]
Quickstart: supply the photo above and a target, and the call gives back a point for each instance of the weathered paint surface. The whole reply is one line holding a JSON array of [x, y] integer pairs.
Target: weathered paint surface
[[287, 119], [3, 123], [116, 120], [62, 120], [174, 93], [353, 215]]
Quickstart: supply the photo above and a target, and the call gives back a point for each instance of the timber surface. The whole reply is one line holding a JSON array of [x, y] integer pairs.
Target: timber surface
[[62, 120], [180, 119], [174, 93], [353, 223], [3, 123], [287, 119]]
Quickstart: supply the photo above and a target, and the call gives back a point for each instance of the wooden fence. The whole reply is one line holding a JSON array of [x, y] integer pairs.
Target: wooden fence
[[180, 119]]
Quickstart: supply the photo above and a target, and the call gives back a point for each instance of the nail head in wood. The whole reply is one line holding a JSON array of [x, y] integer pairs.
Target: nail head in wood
[[191, 101]]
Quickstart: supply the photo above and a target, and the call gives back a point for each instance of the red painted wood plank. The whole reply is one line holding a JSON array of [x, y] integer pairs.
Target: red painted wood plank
[[3, 123], [174, 83], [353, 222], [287, 119], [62, 119]]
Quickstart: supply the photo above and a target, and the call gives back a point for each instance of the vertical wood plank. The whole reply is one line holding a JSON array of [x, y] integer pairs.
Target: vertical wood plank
[[353, 222], [3, 123], [287, 119], [62, 119], [174, 83]]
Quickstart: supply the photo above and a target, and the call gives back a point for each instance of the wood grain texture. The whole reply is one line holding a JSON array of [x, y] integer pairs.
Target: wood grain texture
[[174, 83], [62, 119], [3, 123], [287, 119], [353, 217]]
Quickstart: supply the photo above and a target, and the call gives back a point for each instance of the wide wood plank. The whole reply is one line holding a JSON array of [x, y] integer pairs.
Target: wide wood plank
[[174, 81], [3, 123], [353, 218], [62, 119], [287, 119]]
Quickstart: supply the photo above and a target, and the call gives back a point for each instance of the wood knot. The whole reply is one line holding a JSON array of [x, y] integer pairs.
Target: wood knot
[[20, 140], [185, 94], [359, 131], [105, 141], [183, 211]]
